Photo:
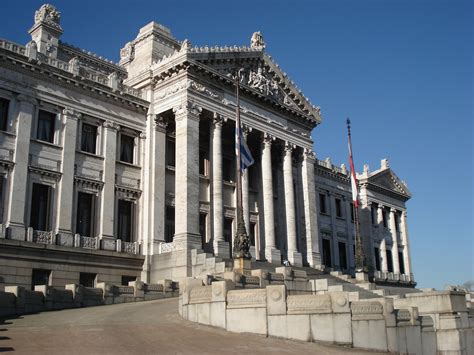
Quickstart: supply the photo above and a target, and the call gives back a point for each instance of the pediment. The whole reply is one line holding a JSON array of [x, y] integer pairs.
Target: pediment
[[388, 180], [258, 74]]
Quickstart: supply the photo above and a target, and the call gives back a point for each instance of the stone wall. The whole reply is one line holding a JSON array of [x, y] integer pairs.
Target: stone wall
[[17, 300], [376, 324]]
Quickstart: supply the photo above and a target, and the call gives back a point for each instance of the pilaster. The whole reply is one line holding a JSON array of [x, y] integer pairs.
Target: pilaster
[[310, 214], [187, 175], [15, 220], [107, 211], [66, 187]]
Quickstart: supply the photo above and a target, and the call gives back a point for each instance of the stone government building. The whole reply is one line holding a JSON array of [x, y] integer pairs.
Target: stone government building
[[117, 172]]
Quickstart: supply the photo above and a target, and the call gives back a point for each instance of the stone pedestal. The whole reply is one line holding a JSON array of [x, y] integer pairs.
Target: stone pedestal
[[273, 255], [221, 249], [242, 266], [295, 258], [362, 276]]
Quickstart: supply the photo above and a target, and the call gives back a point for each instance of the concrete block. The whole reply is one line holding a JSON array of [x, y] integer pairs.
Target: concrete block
[[369, 334], [336, 288], [192, 313], [218, 314], [276, 299], [298, 327], [203, 311], [247, 320], [277, 326]]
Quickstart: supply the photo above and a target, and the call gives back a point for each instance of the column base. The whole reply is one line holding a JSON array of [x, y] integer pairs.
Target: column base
[[362, 276], [273, 255], [314, 260], [295, 258], [188, 241], [222, 249], [16, 232], [65, 238]]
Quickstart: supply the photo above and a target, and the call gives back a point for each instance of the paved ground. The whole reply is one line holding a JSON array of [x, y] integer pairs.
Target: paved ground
[[137, 328]]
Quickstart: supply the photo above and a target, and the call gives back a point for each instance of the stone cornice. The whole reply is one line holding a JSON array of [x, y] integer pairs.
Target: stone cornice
[[68, 80]]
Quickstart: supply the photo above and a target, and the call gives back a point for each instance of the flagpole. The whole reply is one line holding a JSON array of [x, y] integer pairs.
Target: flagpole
[[359, 249], [241, 249]]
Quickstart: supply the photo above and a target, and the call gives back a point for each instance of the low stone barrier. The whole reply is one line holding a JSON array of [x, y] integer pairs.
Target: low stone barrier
[[333, 317], [16, 300]]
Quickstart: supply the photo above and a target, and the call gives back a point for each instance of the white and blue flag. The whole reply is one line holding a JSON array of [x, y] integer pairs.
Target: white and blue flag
[[246, 158]]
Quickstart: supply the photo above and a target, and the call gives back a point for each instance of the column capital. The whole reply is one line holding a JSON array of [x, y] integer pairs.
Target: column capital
[[109, 124], [404, 214], [218, 120], [142, 135], [309, 155], [187, 109], [393, 210], [267, 139], [289, 147], [246, 129], [27, 99], [159, 123], [380, 206], [70, 113]]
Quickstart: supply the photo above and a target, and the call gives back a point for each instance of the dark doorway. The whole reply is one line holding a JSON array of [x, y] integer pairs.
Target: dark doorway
[[40, 277], [85, 216], [125, 220], [40, 204], [342, 255], [327, 253]]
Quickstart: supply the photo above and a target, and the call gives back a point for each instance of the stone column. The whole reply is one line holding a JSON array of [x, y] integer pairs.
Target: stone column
[[187, 175], [393, 229], [271, 253], [293, 255], [310, 213], [15, 220], [383, 243], [221, 248], [66, 187], [107, 205], [406, 243], [334, 237]]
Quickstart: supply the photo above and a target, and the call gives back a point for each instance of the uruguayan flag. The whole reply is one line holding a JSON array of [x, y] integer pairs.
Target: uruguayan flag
[[246, 158]]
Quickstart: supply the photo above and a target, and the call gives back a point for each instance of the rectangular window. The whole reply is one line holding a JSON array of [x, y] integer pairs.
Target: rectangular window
[[252, 233], [352, 212], [86, 279], [170, 152], [45, 131], [169, 224], [322, 203], [203, 228], [40, 277], [89, 138], [2, 198], [203, 163], [384, 218], [125, 220], [127, 144], [228, 229], [127, 279], [4, 104], [401, 261], [342, 255], [85, 214], [338, 208], [40, 205], [327, 253], [377, 259], [228, 169], [389, 260], [397, 222]]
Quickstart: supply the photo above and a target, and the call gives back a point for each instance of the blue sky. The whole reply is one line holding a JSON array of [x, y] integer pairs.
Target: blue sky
[[401, 70]]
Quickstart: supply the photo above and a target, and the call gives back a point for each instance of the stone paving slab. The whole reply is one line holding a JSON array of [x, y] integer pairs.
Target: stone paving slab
[[152, 327]]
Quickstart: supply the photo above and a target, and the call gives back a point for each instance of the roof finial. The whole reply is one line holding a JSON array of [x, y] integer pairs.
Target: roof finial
[[256, 41]]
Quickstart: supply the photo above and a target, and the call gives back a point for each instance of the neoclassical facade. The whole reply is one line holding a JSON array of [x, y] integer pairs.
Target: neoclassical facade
[[113, 172]]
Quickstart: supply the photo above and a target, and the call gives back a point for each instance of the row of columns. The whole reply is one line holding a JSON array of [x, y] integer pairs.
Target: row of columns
[[187, 191], [394, 250]]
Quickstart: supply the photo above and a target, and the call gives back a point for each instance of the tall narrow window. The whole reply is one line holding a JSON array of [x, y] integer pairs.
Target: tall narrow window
[[203, 228], [352, 212], [228, 229], [2, 198], [125, 220], [389, 261], [228, 169], [327, 253], [203, 163], [384, 218], [89, 138], [373, 213], [377, 259], [252, 233], [170, 152], [45, 131], [169, 224], [40, 204], [402, 262], [4, 103], [397, 222], [322, 203], [85, 215], [342, 255], [338, 208], [126, 148]]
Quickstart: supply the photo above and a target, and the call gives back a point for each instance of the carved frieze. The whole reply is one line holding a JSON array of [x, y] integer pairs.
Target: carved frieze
[[366, 310], [247, 299], [201, 294], [309, 304]]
